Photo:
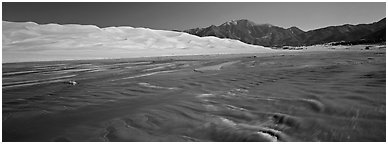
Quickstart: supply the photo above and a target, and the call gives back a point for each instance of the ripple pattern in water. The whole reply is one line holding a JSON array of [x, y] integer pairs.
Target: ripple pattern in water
[[307, 96]]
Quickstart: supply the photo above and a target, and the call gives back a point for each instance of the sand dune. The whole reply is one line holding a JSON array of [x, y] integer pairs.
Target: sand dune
[[33, 42]]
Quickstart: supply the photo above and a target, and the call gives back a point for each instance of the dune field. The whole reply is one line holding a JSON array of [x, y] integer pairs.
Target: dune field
[[29, 41], [332, 95]]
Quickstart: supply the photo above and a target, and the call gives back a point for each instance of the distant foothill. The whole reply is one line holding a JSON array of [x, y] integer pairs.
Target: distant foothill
[[273, 36]]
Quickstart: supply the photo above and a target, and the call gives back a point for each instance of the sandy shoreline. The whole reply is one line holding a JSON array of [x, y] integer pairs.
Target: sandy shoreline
[[309, 49]]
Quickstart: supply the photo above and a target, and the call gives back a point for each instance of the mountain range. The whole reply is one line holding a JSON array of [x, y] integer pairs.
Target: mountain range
[[29, 41], [272, 36]]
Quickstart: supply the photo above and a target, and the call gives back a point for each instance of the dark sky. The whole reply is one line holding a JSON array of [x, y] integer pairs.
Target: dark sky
[[187, 15]]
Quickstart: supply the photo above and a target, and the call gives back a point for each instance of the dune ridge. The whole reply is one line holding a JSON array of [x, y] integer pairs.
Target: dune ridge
[[28, 41]]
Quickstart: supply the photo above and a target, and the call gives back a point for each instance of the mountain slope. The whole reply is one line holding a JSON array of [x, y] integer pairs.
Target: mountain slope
[[269, 35], [33, 42], [249, 32], [342, 33]]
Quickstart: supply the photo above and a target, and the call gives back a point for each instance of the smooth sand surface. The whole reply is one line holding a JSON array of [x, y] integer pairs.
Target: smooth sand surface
[[290, 96], [28, 41]]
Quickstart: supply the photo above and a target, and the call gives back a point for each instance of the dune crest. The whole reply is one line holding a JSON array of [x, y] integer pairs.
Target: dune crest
[[28, 41]]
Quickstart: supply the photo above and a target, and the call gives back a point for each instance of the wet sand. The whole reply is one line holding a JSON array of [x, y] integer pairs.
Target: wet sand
[[290, 96]]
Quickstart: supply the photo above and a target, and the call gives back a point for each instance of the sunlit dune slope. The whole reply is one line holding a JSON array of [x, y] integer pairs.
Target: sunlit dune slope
[[28, 41]]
